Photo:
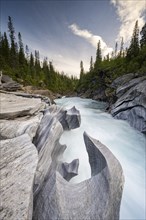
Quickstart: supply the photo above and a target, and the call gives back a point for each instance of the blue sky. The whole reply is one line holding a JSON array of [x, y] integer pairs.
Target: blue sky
[[68, 31]]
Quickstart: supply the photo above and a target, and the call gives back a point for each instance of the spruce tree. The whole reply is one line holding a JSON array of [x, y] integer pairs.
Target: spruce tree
[[116, 49], [98, 56], [21, 51], [13, 49], [143, 36], [91, 64], [133, 49], [5, 48], [81, 69], [121, 48]]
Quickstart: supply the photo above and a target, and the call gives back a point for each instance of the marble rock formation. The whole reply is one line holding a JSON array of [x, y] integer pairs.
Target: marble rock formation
[[13, 128], [69, 119], [13, 106], [68, 170], [18, 163], [96, 198], [131, 103], [34, 180]]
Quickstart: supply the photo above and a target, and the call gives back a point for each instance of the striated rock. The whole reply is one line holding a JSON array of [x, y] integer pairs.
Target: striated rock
[[73, 118], [131, 104], [96, 198], [17, 167], [13, 106], [123, 89], [120, 81], [25, 125], [69, 119], [69, 170], [47, 143]]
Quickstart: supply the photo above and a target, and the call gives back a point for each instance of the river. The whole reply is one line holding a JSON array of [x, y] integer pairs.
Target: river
[[127, 144]]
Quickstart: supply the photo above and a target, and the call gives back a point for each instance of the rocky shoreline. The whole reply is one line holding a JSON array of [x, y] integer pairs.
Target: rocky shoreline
[[34, 182]]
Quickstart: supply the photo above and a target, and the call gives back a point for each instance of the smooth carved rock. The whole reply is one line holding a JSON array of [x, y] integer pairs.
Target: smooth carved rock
[[17, 167], [96, 198], [73, 118], [13, 106], [69, 119], [131, 105], [69, 170], [13, 128], [47, 143]]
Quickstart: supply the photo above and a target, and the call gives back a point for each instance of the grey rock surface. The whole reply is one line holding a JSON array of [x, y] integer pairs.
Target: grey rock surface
[[69, 119], [47, 143], [120, 81], [8, 84], [131, 103], [18, 163], [13, 128], [13, 106], [96, 198], [68, 170], [34, 180]]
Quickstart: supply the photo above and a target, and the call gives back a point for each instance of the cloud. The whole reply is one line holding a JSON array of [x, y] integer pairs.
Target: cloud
[[128, 12], [92, 39], [69, 65]]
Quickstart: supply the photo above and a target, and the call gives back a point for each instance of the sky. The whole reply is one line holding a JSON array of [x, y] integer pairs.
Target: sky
[[67, 31]]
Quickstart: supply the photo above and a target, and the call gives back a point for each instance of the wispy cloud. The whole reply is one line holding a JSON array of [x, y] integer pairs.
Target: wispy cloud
[[91, 38], [128, 12]]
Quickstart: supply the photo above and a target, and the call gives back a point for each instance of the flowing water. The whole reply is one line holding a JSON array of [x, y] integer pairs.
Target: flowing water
[[127, 144]]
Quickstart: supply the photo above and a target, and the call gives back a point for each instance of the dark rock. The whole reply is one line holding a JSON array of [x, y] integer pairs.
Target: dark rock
[[131, 104], [8, 84], [73, 118], [69, 170], [123, 79]]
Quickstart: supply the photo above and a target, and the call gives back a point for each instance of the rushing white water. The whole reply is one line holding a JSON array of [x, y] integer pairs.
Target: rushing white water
[[127, 144]]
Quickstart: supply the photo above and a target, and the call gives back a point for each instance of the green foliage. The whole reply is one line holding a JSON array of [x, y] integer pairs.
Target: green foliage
[[26, 67], [132, 59]]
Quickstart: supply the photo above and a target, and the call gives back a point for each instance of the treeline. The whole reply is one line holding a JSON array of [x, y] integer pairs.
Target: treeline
[[122, 60], [26, 67]]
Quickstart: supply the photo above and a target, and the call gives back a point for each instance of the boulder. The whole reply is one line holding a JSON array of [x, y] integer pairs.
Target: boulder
[[17, 167], [8, 84]]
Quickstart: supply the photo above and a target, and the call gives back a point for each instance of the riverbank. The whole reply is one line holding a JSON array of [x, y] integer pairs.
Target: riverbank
[[126, 96]]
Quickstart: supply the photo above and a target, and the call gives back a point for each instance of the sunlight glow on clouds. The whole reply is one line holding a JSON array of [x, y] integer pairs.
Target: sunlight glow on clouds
[[128, 12], [92, 39]]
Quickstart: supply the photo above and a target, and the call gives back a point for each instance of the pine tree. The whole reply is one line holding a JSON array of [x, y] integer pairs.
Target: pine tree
[[116, 48], [143, 36], [13, 52], [91, 64], [98, 56], [21, 50], [5, 48], [121, 48], [133, 49], [81, 69]]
